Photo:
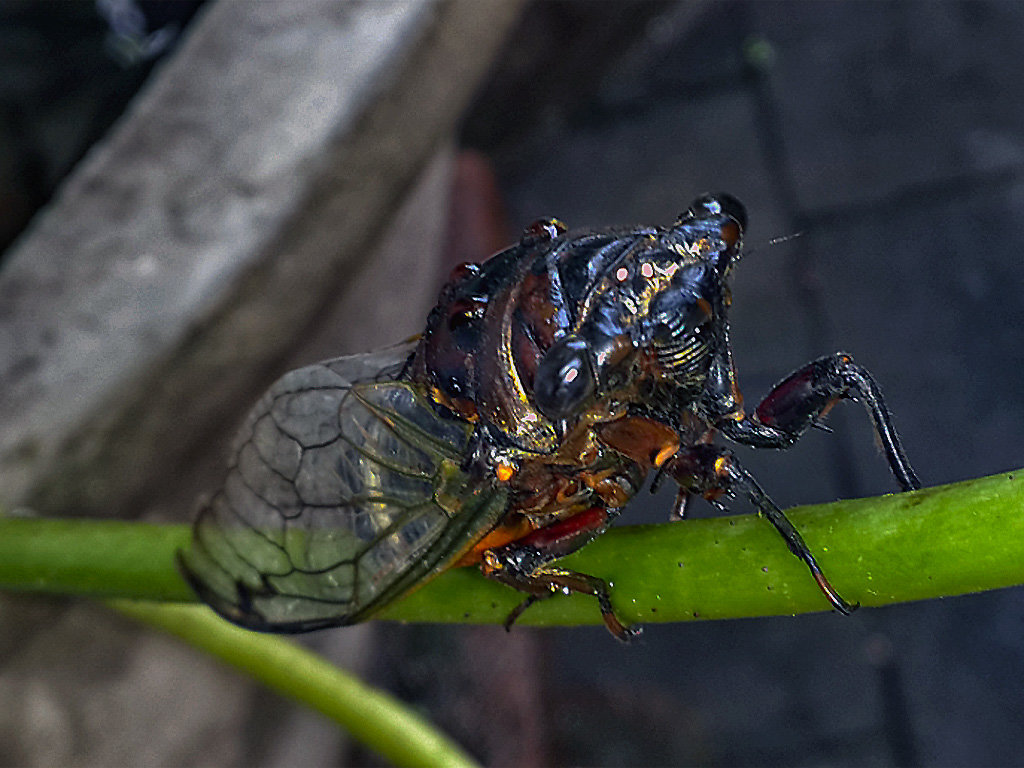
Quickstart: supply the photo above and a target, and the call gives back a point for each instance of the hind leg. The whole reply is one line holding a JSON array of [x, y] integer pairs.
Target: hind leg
[[527, 564]]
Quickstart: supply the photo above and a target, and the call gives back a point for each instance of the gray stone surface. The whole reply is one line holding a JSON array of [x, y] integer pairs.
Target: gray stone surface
[[175, 268], [84, 688]]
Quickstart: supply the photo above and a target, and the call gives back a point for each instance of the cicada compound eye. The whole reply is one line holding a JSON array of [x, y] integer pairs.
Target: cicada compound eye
[[718, 204], [565, 378]]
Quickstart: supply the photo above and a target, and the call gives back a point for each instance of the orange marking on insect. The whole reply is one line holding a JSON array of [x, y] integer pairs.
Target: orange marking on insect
[[489, 562], [509, 531], [504, 472], [828, 407], [593, 478], [666, 453], [565, 495], [721, 465], [463, 407], [705, 306], [640, 438]]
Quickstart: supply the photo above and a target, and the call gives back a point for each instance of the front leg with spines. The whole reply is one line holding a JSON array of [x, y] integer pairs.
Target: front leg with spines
[[797, 403]]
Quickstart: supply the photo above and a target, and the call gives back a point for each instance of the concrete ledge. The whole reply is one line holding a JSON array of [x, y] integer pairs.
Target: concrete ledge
[[154, 297]]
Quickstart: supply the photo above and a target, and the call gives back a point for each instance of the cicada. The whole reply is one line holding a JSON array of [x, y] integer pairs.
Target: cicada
[[549, 382]]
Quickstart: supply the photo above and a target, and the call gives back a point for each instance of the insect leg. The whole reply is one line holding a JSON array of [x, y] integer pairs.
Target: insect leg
[[797, 403], [549, 581], [526, 565], [714, 471]]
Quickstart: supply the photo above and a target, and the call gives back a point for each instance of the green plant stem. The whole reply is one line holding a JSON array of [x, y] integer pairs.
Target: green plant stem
[[950, 540], [937, 542], [92, 558], [371, 716]]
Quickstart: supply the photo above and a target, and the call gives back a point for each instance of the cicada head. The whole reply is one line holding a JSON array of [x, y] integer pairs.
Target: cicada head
[[712, 229], [653, 312]]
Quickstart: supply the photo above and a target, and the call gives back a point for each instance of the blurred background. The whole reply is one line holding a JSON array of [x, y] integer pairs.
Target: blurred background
[[887, 136]]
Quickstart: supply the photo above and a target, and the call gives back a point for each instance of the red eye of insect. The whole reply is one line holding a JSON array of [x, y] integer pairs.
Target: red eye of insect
[[731, 233]]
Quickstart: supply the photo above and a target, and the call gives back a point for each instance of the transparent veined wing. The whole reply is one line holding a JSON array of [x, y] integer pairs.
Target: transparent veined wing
[[346, 490]]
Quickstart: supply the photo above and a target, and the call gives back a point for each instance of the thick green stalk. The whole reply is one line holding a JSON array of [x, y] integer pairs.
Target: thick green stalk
[[92, 558], [937, 542]]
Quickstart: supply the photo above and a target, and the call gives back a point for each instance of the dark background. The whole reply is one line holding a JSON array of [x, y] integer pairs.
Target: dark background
[[888, 136]]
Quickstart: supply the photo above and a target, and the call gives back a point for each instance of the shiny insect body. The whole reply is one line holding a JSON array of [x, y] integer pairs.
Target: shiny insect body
[[550, 381]]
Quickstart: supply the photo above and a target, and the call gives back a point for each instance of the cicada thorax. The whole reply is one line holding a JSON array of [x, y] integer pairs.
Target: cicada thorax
[[495, 323], [480, 350]]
